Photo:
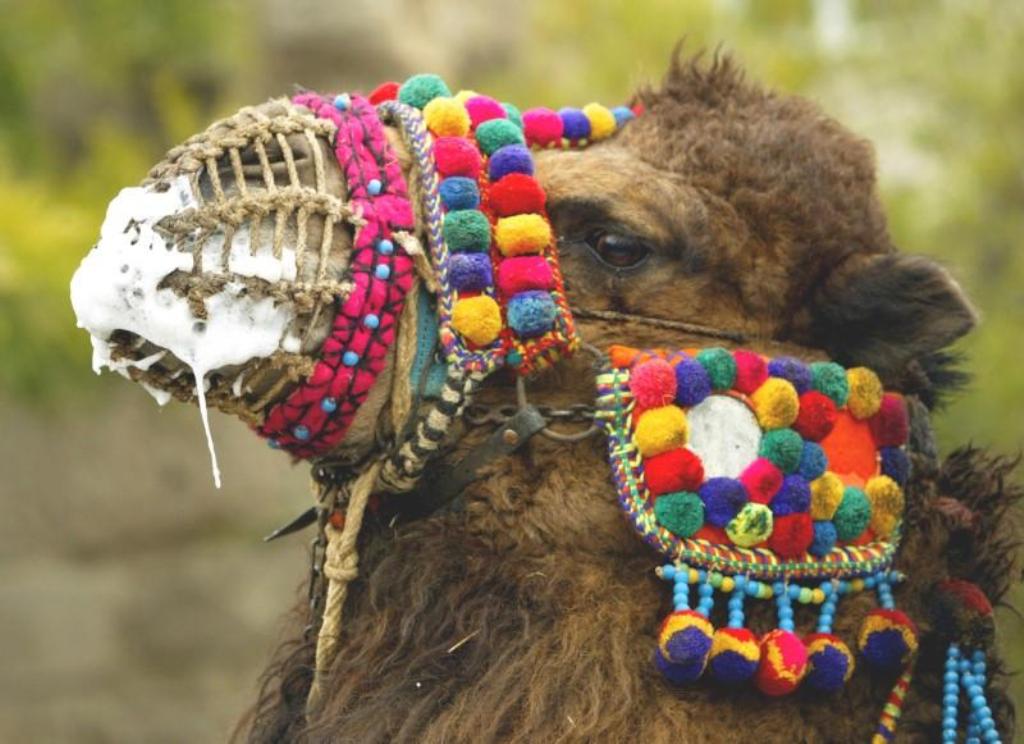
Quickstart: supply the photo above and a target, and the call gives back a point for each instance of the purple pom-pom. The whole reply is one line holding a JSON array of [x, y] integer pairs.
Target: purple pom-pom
[[825, 537], [789, 368], [895, 464], [470, 272], [575, 124], [813, 461], [793, 498], [692, 382], [510, 159], [679, 674], [723, 498]]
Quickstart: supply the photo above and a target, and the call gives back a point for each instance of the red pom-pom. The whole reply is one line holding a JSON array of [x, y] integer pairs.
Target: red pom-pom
[[653, 383], [890, 426], [791, 535], [751, 370], [516, 193], [384, 92], [675, 470], [522, 273], [712, 534], [762, 479], [817, 416], [542, 126], [455, 156], [483, 108], [783, 663]]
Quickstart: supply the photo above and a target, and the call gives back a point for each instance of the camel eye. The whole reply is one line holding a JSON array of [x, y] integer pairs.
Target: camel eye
[[618, 251]]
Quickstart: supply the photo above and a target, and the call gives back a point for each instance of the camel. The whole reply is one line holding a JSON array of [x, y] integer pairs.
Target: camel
[[526, 609]]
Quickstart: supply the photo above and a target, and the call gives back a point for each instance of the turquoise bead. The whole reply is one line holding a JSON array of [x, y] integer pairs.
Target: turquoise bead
[[374, 186], [383, 271], [350, 359], [385, 247]]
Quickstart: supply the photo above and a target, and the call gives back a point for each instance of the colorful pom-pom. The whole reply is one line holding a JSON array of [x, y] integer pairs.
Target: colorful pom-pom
[[752, 526], [830, 378], [961, 613], [522, 234], [890, 426], [692, 382], [653, 383], [675, 470], [853, 515], [775, 403], [817, 416], [459, 192], [470, 272], [792, 369], [723, 498], [464, 95], [783, 447], [467, 230], [523, 273], [575, 124], [826, 495], [542, 126], [783, 663], [446, 117], [681, 513], [602, 121], [516, 193], [850, 447], [762, 479], [813, 462], [720, 366], [510, 159], [491, 135], [895, 464], [829, 662], [751, 370], [513, 113], [419, 90], [735, 655], [482, 109], [455, 156], [384, 92], [477, 319], [660, 429], [887, 639], [531, 314], [684, 639], [712, 534], [794, 496], [824, 540], [865, 392], [792, 535], [887, 503]]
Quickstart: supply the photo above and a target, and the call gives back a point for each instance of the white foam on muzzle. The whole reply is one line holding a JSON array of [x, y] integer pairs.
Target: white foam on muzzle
[[117, 287]]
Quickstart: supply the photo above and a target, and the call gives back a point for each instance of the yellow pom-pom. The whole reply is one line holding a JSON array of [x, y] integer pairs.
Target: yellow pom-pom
[[826, 493], [776, 403], [477, 319], [446, 117], [602, 121], [464, 95], [660, 430], [751, 526], [865, 392], [887, 503], [522, 234]]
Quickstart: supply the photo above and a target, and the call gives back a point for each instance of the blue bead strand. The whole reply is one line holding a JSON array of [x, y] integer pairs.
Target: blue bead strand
[[706, 592], [736, 602], [785, 609], [681, 590], [950, 694], [828, 607], [884, 589]]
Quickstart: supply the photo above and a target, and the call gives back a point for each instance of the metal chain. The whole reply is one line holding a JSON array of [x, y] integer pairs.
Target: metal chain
[[478, 414], [327, 501]]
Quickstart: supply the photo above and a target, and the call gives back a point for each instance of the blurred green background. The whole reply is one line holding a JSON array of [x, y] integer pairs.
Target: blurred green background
[[138, 602]]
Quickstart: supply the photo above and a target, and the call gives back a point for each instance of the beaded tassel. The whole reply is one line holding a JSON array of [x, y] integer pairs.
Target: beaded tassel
[[968, 675]]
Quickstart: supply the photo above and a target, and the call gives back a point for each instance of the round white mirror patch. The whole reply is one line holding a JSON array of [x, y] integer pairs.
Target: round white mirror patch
[[725, 434]]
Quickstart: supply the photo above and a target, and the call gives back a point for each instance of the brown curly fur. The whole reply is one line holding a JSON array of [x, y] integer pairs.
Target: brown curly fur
[[529, 616]]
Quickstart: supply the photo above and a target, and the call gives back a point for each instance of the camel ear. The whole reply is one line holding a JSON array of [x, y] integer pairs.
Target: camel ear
[[885, 310]]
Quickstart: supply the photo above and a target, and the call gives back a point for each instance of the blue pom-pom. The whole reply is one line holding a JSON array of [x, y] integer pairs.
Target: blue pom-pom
[[679, 674], [510, 159], [622, 114], [692, 382], [723, 498], [575, 124], [895, 464], [828, 666], [794, 497], [470, 272], [458, 192], [531, 313], [824, 539], [789, 368], [813, 461], [732, 668]]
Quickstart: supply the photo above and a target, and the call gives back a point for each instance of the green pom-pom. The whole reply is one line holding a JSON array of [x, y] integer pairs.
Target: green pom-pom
[[497, 133], [467, 230], [830, 379], [853, 515], [419, 90], [681, 513], [783, 447], [514, 115], [720, 366]]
